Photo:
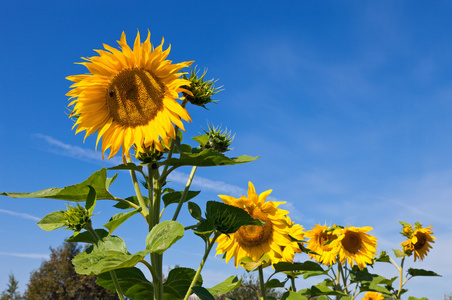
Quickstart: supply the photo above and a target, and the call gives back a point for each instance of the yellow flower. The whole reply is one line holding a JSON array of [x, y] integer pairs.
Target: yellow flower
[[373, 296], [318, 237], [419, 242], [129, 97], [355, 246], [254, 241]]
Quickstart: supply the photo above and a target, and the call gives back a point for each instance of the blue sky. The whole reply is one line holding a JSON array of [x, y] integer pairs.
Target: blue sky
[[347, 103]]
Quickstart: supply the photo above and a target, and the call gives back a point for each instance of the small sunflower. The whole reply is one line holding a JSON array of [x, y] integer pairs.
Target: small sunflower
[[373, 296], [355, 246], [419, 242], [274, 238], [128, 97], [319, 235]]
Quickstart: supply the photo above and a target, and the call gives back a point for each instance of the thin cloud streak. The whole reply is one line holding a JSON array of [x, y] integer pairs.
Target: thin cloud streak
[[22, 215], [26, 255]]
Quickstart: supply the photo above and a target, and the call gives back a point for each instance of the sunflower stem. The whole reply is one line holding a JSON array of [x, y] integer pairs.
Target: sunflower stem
[[114, 278], [209, 245], [292, 280], [400, 278], [262, 283], [184, 194], [136, 186], [156, 259]]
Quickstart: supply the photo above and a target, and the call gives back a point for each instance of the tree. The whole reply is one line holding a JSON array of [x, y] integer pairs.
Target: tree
[[11, 293], [56, 279]]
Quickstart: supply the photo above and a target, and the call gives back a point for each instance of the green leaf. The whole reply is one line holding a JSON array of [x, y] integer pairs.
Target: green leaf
[[133, 199], [174, 197], [163, 236], [275, 283], [118, 219], [90, 200], [320, 289], [414, 298], [399, 253], [79, 192], [293, 296], [249, 264], [178, 282], [384, 257], [86, 237], [226, 286], [195, 211], [128, 166], [133, 283], [305, 266], [52, 221], [202, 293], [227, 218], [207, 158], [109, 254], [421, 272]]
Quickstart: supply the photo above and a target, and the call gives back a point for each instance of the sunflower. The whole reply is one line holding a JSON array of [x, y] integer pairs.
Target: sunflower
[[276, 237], [319, 235], [373, 296], [128, 97], [355, 246], [419, 242]]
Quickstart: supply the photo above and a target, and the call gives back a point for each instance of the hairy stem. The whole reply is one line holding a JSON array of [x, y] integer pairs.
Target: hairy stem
[[262, 283], [184, 194]]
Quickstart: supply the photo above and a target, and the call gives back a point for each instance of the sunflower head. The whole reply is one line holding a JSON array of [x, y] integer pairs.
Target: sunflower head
[[277, 237], [355, 246], [320, 239], [129, 97], [373, 296], [419, 242]]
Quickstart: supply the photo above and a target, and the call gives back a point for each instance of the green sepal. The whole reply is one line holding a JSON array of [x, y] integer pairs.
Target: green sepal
[[132, 281], [195, 210], [78, 192], [290, 295], [52, 221], [207, 158], [118, 219], [163, 236], [174, 197], [178, 282], [86, 237], [421, 272], [109, 254], [129, 166]]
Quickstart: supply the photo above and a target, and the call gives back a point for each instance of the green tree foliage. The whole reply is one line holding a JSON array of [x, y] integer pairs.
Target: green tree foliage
[[56, 279], [11, 293]]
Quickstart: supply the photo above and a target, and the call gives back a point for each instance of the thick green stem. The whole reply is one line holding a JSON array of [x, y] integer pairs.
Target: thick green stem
[[292, 281], [136, 186], [156, 259], [400, 277], [201, 265], [262, 283], [184, 194], [112, 273]]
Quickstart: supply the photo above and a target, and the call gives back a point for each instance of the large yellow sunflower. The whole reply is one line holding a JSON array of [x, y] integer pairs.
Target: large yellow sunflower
[[355, 246], [318, 237], [373, 296], [419, 243], [129, 97], [254, 241]]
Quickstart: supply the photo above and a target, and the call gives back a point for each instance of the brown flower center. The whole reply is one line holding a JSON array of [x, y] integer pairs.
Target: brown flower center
[[134, 97], [253, 235], [421, 241], [352, 242]]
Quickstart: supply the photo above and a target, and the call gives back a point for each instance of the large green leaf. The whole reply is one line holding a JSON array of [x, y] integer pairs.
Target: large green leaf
[[109, 254], [226, 286], [207, 158], [133, 199], [52, 221], [118, 219], [293, 296], [132, 281], [163, 236], [78, 192], [174, 197], [202, 293], [86, 237], [421, 272], [305, 266], [128, 166], [178, 282]]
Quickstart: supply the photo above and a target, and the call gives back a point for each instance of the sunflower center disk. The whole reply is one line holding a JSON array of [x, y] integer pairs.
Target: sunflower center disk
[[134, 97], [421, 240], [352, 242], [253, 235]]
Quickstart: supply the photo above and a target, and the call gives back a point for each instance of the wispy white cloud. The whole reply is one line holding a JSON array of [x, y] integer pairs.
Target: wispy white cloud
[[21, 215], [26, 255]]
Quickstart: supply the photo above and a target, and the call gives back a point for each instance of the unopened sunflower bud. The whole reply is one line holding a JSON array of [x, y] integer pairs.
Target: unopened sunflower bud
[[201, 91], [216, 139], [76, 217], [149, 155]]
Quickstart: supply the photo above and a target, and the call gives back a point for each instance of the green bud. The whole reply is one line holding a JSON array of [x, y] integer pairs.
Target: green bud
[[149, 155], [201, 90], [76, 218], [215, 139]]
